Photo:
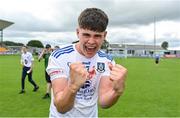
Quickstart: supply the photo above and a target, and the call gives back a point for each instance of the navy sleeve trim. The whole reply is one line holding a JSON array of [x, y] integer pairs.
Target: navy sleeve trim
[[61, 51], [102, 54]]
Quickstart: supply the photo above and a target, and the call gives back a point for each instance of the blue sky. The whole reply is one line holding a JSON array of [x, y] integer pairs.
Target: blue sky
[[55, 21]]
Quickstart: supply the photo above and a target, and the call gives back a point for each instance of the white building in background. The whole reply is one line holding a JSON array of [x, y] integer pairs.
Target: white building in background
[[173, 52], [129, 50]]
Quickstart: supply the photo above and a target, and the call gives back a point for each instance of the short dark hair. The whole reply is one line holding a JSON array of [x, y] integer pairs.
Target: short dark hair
[[48, 46], [93, 19]]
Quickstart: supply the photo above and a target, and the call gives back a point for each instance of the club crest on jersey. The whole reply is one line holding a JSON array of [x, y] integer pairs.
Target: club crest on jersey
[[100, 67]]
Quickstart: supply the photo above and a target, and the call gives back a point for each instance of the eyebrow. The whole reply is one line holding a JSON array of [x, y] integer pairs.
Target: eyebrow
[[86, 34], [97, 35]]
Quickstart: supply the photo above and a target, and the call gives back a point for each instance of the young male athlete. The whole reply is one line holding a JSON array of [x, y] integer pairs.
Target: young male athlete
[[45, 54], [81, 74], [27, 62]]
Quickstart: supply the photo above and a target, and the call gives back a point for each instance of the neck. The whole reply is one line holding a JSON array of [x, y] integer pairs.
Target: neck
[[77, 46]]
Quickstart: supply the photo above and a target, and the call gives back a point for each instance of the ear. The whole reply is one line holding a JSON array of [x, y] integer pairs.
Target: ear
[[105, 33], [77, 32]]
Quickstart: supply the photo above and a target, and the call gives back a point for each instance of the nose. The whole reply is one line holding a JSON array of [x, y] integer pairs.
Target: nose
[[91, 40]]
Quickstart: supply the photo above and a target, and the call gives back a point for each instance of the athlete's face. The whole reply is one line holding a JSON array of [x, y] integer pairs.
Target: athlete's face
[[89, 41]]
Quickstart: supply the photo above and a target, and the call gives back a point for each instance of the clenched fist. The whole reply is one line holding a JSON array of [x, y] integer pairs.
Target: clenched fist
[[117, 75], [78, 74]]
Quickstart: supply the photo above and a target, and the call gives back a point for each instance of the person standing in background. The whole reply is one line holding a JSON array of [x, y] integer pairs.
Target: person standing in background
[[45, 54], [27, 62], [157, 59]]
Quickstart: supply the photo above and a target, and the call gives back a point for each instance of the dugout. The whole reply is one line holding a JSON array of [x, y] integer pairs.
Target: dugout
[[3, 24]]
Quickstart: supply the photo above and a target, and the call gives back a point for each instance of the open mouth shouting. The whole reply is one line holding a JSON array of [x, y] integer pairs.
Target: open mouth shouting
[[90, 49]]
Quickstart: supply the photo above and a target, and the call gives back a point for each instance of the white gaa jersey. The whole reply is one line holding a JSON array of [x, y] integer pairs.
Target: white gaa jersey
[[26, 59], [86, 101]]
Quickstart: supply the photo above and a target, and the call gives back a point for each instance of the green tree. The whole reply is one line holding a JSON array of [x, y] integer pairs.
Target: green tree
[[11, 43], [165, 45], [35, 43], [105, 45]]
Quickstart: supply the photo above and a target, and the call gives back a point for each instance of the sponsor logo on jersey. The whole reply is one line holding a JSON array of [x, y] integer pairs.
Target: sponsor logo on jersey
[[100, 67], [87, 64], [87, 84], [86, 91]]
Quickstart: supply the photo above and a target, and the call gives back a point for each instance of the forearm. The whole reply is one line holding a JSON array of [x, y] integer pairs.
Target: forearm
[[109, 98], [41, 55], [31, 68], [65, 90], [64, 100]]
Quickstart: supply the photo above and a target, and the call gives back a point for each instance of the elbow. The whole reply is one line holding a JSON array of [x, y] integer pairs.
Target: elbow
[[62, 105], [62, 109], [105, 106]]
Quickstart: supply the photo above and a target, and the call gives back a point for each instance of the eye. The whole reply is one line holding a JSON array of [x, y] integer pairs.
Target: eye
[[97, 36]]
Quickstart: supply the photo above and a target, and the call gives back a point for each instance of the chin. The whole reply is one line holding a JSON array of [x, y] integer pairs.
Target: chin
[[89, 55]]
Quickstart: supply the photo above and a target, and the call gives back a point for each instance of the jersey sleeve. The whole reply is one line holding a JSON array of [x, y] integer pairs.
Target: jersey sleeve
[[56, 68]]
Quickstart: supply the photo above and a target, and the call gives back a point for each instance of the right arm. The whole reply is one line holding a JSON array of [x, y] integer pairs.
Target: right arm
[[65, 90], [64, 95], [41, 55]]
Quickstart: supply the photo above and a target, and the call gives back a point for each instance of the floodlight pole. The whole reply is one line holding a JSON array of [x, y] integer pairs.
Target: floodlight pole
[[154, 35], [1, 37]]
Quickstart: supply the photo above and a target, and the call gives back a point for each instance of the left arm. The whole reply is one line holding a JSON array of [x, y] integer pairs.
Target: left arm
[[32, 65], [111, 87], [21, 61], [42, 54]]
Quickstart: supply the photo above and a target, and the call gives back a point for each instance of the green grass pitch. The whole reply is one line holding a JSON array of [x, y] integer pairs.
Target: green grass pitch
[[151, 90]]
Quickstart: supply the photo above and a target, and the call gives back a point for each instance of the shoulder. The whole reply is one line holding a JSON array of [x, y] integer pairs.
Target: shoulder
[[104, 55], [62, 51]]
